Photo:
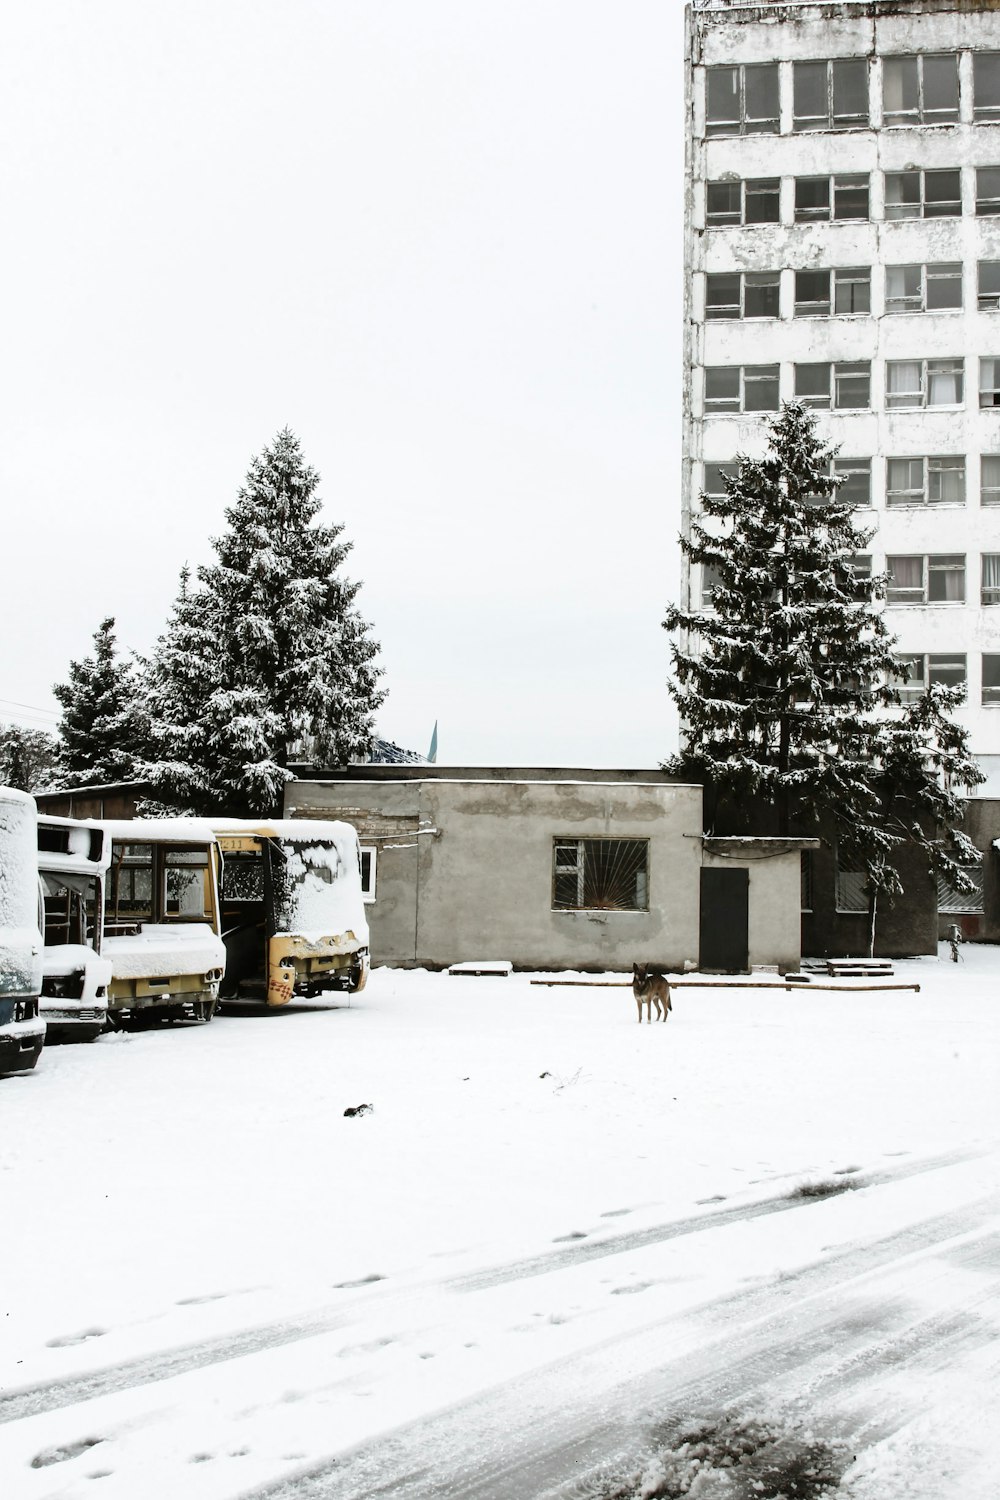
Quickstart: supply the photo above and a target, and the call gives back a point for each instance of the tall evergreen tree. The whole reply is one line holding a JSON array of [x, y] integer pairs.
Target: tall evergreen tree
[[267, 651], [784, 682], [28, 758], [102, 728], [180, 678]]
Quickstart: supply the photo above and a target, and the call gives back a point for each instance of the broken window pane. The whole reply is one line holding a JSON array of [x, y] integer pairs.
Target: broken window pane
[[986, 85], [989, 286]]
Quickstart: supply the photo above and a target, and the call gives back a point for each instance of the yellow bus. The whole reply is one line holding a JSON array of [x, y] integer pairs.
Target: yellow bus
[[293, 915]]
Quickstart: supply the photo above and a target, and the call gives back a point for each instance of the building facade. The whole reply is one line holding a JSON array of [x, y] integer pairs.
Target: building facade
[[843, 249]]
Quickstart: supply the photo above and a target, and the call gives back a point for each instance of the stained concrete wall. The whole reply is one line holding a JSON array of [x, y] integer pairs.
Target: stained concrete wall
[[465, 867]]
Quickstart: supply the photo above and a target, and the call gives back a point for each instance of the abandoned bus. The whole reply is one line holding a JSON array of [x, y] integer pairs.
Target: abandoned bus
[[293, 915], [161, 921], [72, 864], [22, 1031]]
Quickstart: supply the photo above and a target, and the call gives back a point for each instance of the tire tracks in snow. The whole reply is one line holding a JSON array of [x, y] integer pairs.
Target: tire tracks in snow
[[816, 1356], [20, 1402]]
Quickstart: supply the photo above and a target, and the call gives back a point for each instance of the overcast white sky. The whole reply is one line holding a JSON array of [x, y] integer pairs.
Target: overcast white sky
[[441, 240]]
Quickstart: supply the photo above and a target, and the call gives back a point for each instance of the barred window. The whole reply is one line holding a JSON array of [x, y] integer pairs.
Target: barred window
[[600, 874], [951, 900], [852, 890]]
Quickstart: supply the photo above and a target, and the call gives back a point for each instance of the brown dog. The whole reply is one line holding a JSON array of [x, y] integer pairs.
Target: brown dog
[[650, 988]]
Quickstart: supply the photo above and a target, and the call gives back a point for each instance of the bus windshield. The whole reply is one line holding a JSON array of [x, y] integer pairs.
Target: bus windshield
[[314, 888]]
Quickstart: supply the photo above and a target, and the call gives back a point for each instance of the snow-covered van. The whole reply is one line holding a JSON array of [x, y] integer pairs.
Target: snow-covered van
[[293, 914], [22, 1031], [72, 865], [161, 921]]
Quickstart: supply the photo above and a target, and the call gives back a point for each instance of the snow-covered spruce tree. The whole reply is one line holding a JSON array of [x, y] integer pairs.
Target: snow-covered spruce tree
[[102, 728], [180, 678], [293, 658], [29, 758], [784, 681]]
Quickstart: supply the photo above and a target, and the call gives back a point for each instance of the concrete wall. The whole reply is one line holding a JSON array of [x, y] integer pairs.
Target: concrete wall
[[785, 33], [465, 868]]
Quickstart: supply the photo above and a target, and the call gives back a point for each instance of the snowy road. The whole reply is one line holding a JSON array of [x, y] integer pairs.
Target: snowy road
[[539, 1287]]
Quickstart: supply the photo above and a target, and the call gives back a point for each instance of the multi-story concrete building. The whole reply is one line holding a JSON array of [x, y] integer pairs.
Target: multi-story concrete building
[[843, 247]]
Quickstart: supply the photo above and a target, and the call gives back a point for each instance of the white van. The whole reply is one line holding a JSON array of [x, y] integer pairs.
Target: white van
[[22, 1031], [72, 863]]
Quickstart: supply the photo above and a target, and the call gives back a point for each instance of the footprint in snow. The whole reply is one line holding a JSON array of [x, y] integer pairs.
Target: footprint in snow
[[62, 1454], [67, 1340], [576, 1234]]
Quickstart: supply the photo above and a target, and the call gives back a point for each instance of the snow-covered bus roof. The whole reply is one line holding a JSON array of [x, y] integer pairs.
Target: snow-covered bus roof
[[294, 830], [157, 830]]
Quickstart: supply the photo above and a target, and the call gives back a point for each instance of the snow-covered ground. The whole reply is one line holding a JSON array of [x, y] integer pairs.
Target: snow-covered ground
[[561, 1254]]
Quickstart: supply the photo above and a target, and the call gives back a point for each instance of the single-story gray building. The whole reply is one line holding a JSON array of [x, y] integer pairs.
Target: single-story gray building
[[558, 869]]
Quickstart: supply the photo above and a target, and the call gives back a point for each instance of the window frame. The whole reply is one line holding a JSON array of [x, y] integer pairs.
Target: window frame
[[568, 841], [742, 123], [920, 497], [953, 206], [987, 301], [989, 382], [752, 280], [920, 113], [991, 688], [369, 884], [983, 113], [987, 204], [746, 187], [851, 467], [840, 373], [926, 374], [931, 564], [831, 119], [993, 488], [741, 408]]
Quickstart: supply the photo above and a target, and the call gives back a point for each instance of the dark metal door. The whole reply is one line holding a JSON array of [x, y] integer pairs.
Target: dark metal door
[[725, 927]]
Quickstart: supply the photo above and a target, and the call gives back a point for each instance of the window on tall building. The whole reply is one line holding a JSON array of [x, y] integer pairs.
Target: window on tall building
[[932, 288], [842, 387], [741, 388], [713, 479], [989, 479], [990, 589], [987, 191], [819, 199], [989, 382], [920, 90], [935, 579], [924, 382], [986, 85], [742, 100], [710, 581], [753, 294], [916, 194], [927, 670], [830, 95], [845, 291], [991, 679], [856, 473], [860, 566], [989, 286], [935, 480], [755, 200]]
